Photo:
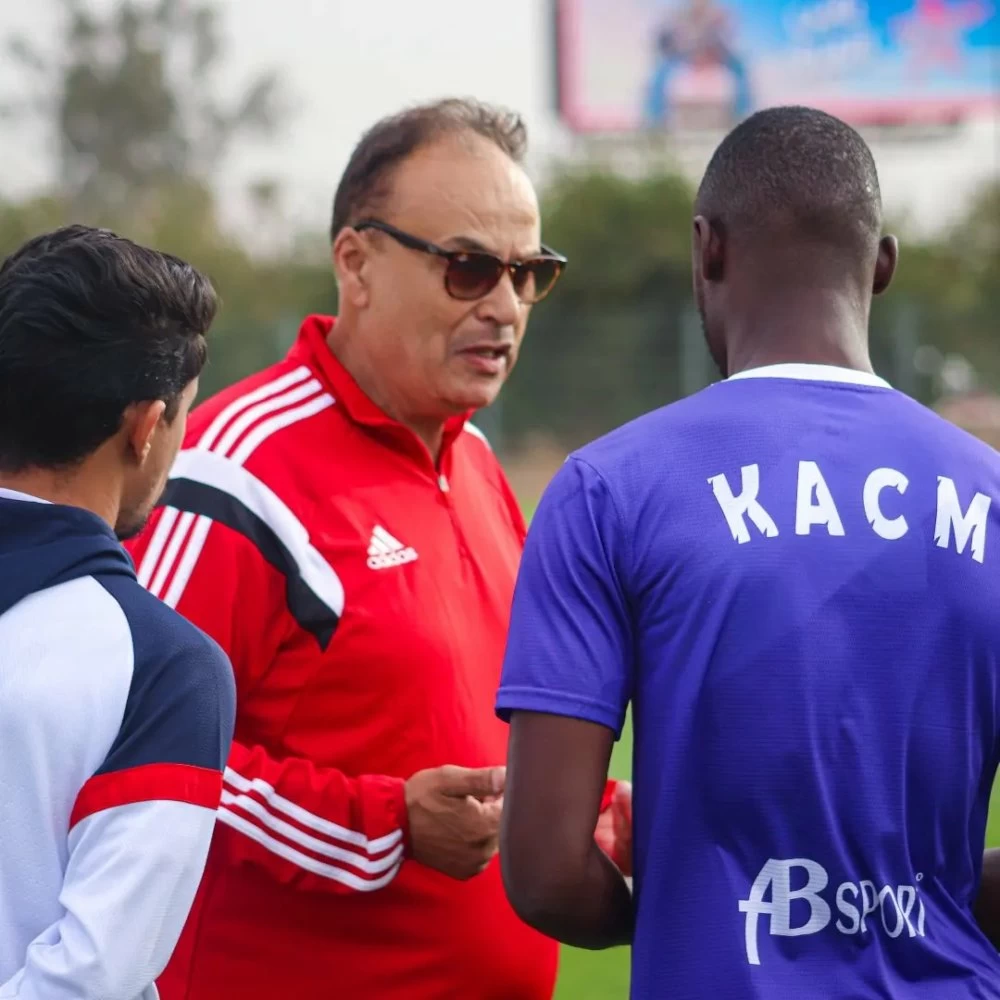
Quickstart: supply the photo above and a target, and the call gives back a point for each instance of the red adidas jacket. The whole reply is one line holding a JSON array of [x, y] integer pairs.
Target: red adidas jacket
[[363, 598]]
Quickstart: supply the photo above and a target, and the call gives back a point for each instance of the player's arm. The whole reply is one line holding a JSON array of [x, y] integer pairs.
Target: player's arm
[[242, 569], [987, 909], [614, 824], [566, 682], [139, 836]]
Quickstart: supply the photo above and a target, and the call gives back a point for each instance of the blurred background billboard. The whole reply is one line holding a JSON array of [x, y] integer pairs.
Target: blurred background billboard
[[629, 65]]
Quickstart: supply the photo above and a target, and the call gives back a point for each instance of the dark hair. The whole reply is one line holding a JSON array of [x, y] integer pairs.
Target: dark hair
[[795, 172], [386, 144], [91, 323]]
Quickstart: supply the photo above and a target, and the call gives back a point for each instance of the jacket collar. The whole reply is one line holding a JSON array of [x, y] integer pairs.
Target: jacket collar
[[312, 348]]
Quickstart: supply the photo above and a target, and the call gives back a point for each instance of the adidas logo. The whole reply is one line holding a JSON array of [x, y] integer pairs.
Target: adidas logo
[[385, 551]]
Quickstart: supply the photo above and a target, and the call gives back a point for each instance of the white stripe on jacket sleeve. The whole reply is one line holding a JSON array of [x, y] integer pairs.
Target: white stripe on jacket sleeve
[[244, 425], [312, 843]]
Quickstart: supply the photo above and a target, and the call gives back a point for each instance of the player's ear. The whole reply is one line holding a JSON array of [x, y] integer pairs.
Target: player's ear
[[709, 249], [885, 264], [141, 423], [351, 257]]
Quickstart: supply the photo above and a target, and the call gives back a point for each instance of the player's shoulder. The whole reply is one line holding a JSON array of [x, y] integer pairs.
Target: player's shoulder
[[259, 428], [77, 618], [271, 407], [181, 701], [476, 434], [636, 439], [164, 642], [951, 439], [475, 448], [254, 388]]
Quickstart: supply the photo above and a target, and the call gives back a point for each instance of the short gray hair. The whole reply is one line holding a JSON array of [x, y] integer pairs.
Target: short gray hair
[[390, 141]]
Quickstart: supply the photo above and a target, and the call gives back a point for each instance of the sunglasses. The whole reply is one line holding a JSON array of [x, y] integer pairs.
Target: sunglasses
[[472, 274]]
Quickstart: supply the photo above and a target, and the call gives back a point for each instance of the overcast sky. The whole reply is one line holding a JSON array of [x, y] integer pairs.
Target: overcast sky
[[346, 62]]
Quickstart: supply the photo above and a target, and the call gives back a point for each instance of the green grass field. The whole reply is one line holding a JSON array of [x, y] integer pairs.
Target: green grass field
[[603, 975]]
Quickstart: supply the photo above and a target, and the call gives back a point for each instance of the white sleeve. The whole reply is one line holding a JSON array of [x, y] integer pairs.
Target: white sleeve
[[131, 878]]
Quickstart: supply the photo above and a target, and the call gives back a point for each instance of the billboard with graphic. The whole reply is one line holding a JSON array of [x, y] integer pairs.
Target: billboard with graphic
[[624, 65]]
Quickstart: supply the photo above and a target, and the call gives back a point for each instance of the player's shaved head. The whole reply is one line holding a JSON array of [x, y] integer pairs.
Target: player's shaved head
[[788, 224], [797, 174]]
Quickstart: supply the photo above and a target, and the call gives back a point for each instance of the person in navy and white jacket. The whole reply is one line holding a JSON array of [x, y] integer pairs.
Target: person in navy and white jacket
[[116, 714]]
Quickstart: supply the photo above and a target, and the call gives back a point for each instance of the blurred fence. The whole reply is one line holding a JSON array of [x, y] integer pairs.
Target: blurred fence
[[582, 373], [655, 353]]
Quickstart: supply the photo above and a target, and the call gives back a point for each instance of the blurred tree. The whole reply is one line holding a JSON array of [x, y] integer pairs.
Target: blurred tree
[[606, 345], [619, 335], [20, 221], [130, 95], [951, 288], [132, 99]]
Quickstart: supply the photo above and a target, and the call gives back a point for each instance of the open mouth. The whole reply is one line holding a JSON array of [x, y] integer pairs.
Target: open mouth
[[488, 360], [494, 353]]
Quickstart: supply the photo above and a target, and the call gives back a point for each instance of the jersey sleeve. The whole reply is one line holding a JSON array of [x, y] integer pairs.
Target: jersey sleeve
[[569, 648], [251, 579], [140, 830]]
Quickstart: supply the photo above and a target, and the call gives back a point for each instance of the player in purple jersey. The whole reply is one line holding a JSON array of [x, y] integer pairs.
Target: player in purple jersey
[[793, 577]]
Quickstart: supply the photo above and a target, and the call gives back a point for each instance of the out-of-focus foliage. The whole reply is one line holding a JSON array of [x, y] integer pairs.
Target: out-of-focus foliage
[[139, 137], [619, 335], [130, 98]]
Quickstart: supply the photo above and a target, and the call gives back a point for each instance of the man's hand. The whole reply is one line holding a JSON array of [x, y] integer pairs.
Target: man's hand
[[614, 828], [454, 816]]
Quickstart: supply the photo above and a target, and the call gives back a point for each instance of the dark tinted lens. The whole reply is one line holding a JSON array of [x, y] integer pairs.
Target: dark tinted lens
[[534, 278], [473, 275]]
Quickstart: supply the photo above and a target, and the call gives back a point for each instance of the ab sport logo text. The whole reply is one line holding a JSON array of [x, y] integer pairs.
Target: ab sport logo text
[[900, 909]]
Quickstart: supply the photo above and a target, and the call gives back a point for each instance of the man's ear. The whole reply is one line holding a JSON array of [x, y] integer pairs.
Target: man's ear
[[885, 264], [709, 249], [140, 426], [351, 254]]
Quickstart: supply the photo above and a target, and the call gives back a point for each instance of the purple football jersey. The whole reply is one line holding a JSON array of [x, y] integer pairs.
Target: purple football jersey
[[793, 576]]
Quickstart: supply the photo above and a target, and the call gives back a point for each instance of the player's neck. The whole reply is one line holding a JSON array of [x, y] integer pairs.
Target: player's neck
[[812, 329], [70, 489]]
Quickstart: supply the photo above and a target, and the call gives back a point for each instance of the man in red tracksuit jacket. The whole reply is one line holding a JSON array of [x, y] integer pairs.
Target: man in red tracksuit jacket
[[348, 537]]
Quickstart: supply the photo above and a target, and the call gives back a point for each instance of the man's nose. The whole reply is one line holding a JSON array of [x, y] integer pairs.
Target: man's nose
[[502, 306]]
